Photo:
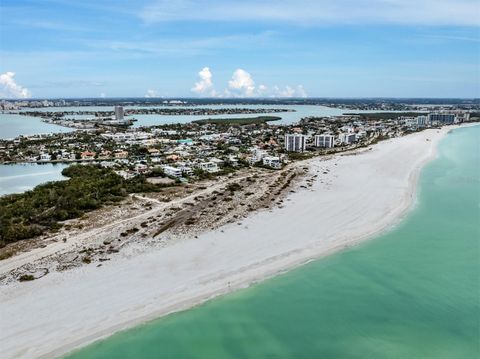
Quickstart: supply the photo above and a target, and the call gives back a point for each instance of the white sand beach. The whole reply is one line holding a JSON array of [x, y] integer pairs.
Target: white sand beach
[[353, 198]]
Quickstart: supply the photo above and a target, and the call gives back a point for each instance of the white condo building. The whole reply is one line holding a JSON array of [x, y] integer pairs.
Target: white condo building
[[347, 138], [257, 155], [441, 118], [422, 121], [295, 142], [172, 171], [327, 141], [272, 161]]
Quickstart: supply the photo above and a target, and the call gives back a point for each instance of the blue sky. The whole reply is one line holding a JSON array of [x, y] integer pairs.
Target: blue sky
[[225, 48]]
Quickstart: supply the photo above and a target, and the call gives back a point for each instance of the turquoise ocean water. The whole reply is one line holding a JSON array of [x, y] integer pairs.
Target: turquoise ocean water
[[413, 292]]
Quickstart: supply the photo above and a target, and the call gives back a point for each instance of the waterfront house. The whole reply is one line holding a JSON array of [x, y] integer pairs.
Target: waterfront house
[[120, 154], [45, 157], [87, 155]]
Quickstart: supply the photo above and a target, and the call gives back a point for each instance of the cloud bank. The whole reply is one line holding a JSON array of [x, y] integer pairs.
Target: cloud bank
[[242, 84], [10, 89], [318, 12]]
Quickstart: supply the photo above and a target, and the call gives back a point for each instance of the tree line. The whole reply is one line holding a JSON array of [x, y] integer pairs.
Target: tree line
[[29, 214]]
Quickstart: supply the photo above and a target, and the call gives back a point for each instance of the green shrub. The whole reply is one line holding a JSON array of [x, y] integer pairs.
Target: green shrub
[[29, 214]]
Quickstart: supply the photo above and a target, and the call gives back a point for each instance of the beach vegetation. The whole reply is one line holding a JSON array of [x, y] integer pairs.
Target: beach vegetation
[[238, 121], [26, 277], [30, 214]]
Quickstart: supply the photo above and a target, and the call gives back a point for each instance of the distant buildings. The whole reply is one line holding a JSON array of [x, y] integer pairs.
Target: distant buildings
[[326, 141], [295, 142], [119, 113], [187, 151], [434, 119], [128, 137]]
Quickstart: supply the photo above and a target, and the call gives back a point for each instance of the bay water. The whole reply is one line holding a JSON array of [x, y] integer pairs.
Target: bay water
[[13, 125], [17, 178]]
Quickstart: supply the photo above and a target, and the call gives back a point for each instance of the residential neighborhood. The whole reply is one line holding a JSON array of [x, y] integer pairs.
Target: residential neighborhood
[[188, 151]]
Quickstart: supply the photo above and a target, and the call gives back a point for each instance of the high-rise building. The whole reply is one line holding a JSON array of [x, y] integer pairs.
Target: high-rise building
[[295, 142], [326, 141], [422, 121], [441, 118], [119, 113]]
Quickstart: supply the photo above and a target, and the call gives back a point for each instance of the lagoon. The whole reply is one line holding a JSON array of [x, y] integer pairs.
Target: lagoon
[[12, 125], [17, 178]]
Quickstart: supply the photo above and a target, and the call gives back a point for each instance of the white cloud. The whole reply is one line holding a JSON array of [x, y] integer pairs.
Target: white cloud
[[10, 89], [204, 86], [285, 92], [151, 94], [318, 12], [242, 83], [301, 91], [262, 90], [191, 46], [289, 91], [102, 95]]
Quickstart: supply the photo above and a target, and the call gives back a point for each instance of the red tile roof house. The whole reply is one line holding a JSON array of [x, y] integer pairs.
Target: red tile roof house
[[87, 155]]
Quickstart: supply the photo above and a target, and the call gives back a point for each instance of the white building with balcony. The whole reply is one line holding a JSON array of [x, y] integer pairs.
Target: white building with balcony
[[347, 138], [325, 141], [295, 142], [172, 171], [210, 166], [272, 161]]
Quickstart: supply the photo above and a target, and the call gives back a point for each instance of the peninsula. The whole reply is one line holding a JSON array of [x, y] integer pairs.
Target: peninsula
[[350, 196]]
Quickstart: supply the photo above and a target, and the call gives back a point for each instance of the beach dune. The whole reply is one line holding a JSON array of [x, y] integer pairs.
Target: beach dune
[[352, 198]]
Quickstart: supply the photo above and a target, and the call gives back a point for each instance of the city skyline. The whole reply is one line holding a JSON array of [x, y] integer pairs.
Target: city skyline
[[373, 48]]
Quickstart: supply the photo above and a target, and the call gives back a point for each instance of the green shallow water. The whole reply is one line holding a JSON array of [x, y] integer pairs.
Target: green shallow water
[[411, 293]]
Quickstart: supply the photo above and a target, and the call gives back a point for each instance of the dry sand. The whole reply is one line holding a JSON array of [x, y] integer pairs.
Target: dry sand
[[352, 198]]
